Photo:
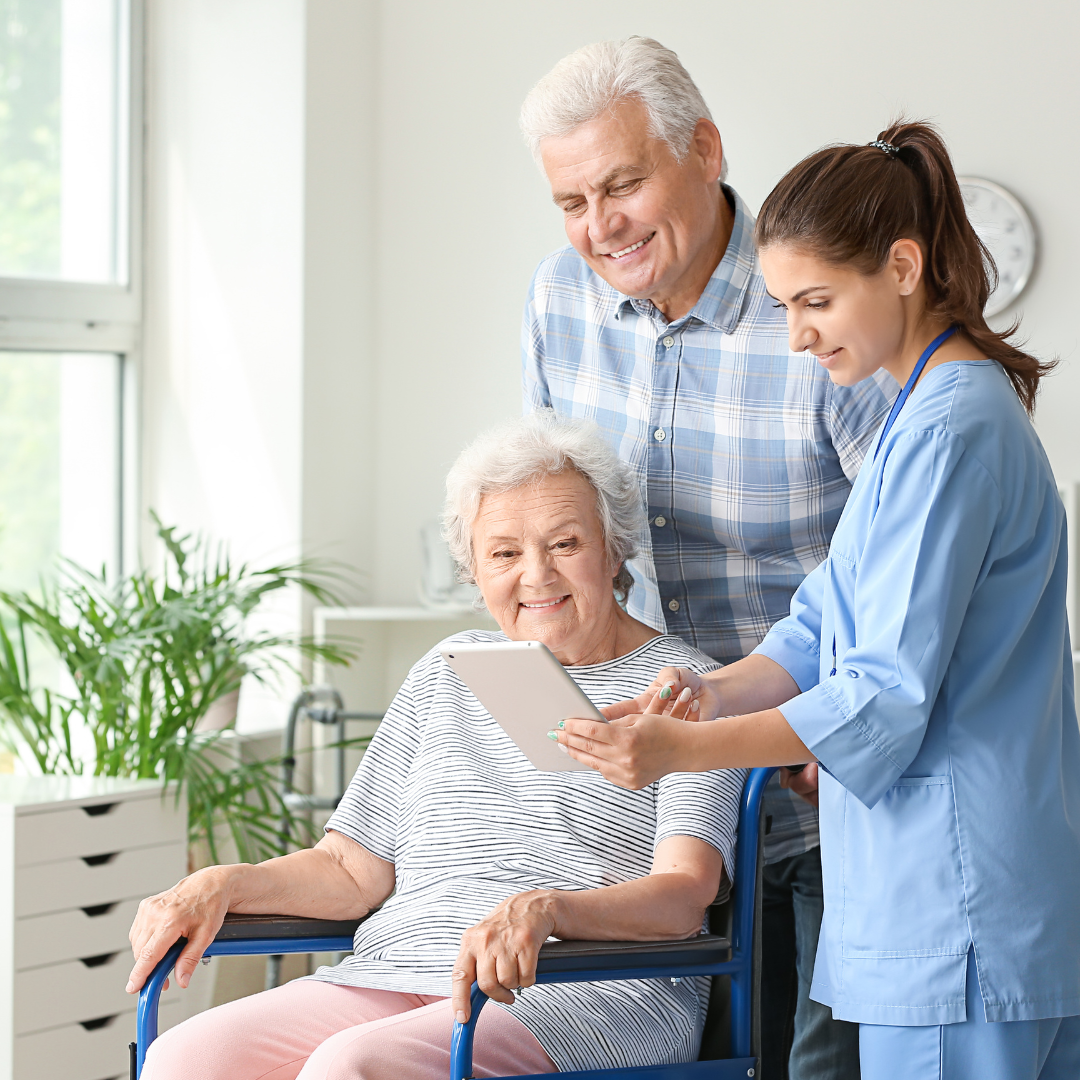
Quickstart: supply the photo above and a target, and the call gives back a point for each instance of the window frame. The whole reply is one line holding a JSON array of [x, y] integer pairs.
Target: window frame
[[68, 316], [43, 315]]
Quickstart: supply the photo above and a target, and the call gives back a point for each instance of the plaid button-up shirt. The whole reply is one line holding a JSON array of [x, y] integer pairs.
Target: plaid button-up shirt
[[745, 450]]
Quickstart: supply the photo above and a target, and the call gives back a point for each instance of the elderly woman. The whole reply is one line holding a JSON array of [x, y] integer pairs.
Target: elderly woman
[[466, 856]]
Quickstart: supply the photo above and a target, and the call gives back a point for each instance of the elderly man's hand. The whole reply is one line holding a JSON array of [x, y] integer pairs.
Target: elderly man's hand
[[193, 908], [500, 951], [677, 692], [804, 783]]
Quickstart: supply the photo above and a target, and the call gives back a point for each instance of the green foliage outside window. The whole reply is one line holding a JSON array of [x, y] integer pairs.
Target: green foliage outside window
[[30, 138], [30, 477]]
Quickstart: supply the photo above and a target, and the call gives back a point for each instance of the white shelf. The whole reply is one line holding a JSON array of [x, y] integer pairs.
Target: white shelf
[[393, 614], [28, 791]]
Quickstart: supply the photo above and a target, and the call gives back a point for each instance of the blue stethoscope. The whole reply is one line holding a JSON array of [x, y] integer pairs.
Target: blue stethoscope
[[898, 404]]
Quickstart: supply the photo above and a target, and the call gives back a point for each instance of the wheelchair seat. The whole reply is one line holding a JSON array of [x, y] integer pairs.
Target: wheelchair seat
[[731, 955]]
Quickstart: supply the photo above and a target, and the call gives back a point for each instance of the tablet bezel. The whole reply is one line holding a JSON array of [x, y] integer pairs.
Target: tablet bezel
[[527, 691]]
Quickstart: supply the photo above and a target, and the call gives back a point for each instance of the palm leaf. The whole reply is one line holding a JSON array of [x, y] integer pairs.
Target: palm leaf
[[146, 657]]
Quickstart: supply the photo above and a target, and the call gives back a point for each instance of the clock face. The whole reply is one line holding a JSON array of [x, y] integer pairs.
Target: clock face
[[1005, 228]]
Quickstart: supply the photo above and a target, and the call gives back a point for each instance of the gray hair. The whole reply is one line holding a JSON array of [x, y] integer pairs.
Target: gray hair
[[593, 80], [527, 450]]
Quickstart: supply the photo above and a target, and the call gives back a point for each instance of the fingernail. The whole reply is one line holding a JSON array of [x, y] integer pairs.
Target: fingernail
[[685, 695], [553, 736], [561, 724], [130, 988], [459, 1016], [665, 693], [694, 706], [563, 749]]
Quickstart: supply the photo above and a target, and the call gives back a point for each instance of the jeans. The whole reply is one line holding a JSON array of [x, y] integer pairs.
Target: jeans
[[799, 1038]]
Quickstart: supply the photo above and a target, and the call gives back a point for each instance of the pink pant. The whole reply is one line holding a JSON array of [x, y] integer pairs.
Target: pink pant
[[319, 1031]]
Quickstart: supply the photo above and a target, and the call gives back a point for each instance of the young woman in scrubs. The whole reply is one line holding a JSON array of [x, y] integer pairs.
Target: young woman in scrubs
[[926, 664]]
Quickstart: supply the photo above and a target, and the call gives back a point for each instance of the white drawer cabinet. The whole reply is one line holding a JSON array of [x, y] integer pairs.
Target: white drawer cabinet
[[96, 880], [46, 939], [76, 856], [75, 1053]]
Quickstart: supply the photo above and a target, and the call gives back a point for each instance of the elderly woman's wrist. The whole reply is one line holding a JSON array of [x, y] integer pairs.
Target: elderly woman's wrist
[[228, 881], [549, 907]]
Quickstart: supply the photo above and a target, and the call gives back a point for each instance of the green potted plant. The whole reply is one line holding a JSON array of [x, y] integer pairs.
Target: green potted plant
[[148, 659]]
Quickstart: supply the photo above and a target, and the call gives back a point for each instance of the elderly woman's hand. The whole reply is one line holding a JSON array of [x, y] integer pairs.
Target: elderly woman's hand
[[193, 908], [675, 691], [500, 951]]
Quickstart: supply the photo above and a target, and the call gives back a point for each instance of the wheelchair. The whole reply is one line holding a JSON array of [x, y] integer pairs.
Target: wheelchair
[[733, 954]]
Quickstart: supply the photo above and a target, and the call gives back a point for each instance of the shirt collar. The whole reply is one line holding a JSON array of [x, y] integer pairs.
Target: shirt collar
[[721, 301]]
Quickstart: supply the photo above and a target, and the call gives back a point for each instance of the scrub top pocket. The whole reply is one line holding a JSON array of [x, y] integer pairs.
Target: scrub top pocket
[[903, 858]]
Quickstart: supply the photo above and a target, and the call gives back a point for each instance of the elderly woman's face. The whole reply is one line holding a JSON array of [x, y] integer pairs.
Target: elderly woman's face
[[542, 567]]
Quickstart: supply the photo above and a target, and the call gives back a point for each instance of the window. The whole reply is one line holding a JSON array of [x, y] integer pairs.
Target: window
[[70, 186], [60, 485]]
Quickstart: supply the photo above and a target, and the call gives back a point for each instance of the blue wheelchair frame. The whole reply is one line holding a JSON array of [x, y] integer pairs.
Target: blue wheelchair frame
[[560, 961]]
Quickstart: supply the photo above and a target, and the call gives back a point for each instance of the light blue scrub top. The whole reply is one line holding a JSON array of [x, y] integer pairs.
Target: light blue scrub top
[[950, 808]]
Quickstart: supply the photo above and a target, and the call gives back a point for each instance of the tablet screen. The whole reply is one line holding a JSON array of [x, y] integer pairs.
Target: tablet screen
[[527, 691]]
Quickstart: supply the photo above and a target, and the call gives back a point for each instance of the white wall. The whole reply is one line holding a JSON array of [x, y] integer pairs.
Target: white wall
[[222, 376], [344, 221], [340, 357], [463, 217], [223, 372]]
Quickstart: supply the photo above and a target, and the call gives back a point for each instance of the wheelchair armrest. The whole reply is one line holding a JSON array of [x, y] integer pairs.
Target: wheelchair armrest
[[557, 957], [241, 935], [263, 927]]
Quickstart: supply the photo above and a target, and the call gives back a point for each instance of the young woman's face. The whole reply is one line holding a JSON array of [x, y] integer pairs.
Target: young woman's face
[[853, 323]]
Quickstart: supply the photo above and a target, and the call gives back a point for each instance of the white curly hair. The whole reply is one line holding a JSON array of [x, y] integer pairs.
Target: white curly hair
[[526, 450]]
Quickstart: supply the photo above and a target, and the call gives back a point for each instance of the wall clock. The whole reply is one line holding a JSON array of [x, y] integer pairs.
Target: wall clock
[[1004, 227]]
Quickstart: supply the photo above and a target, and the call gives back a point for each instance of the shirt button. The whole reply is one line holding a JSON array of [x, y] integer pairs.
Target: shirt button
[[673, 605], [659, 434], [660, 521], [668, 341]]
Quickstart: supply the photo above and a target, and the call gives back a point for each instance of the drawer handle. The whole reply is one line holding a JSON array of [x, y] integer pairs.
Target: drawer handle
[[99, 909], [101, 808], [97, 961], [98, 1022], [99, 860]]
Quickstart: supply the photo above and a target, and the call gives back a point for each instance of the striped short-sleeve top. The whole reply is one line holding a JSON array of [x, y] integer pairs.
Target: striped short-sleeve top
[[445, 795]]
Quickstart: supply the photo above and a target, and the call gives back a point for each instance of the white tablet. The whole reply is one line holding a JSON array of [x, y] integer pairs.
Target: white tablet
[[528, 692]]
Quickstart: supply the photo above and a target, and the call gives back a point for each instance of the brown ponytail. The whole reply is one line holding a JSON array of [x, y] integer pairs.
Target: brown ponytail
[[849, 204]]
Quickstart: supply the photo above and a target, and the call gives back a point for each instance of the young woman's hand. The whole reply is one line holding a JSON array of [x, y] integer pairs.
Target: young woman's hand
[[642, 740], [634, 750], [501, 950], [675, 691]]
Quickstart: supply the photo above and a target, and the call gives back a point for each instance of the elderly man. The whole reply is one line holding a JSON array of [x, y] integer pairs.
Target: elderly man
[[655, 323]]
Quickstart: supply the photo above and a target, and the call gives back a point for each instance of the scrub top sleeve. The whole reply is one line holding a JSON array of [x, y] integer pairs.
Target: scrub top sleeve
[[794, 642], [534, 390], [906, 593]]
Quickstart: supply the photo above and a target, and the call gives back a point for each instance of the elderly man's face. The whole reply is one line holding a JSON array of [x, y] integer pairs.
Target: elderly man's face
[[650, 227], [542, 567]]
